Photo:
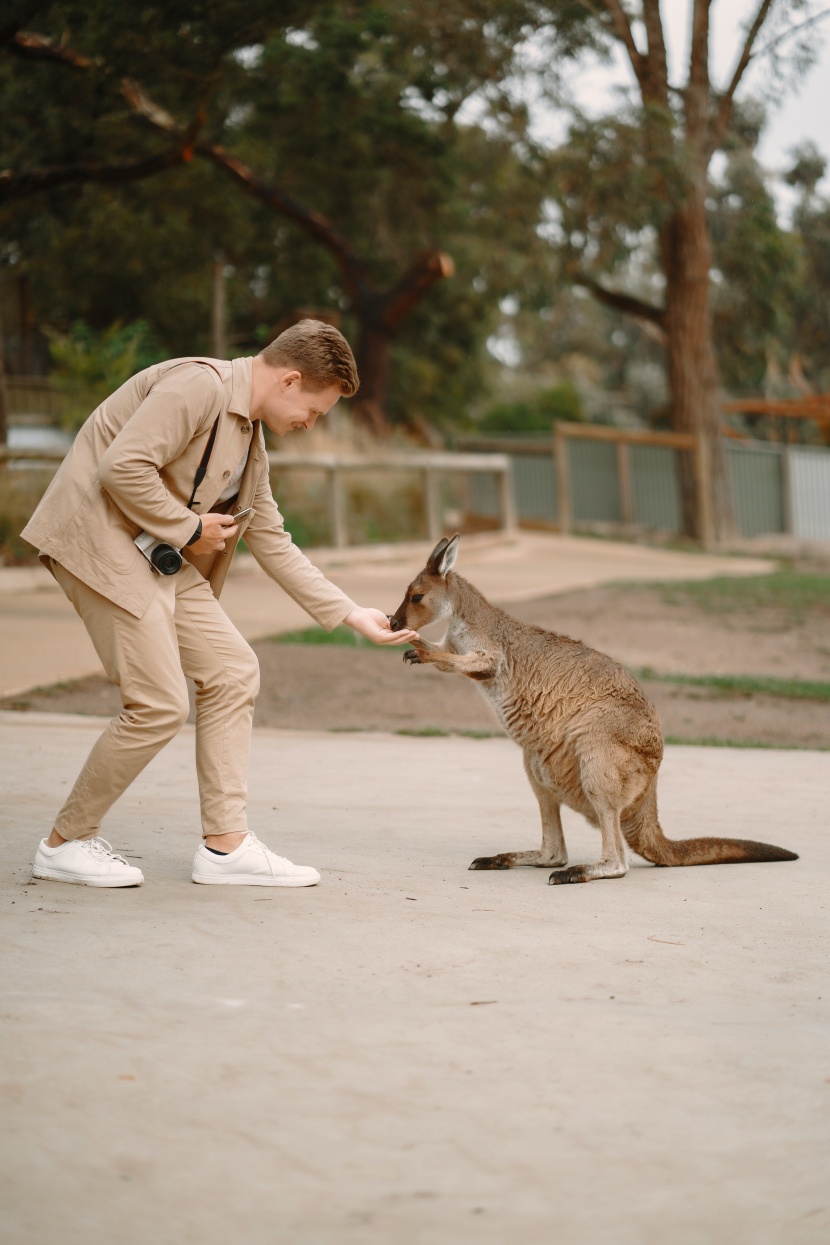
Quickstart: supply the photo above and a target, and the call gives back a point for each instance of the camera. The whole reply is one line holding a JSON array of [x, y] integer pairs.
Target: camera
[[162, 557]]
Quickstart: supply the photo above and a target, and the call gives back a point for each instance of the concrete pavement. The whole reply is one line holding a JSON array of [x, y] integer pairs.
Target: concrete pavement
[[43, 642], [411, 1053]]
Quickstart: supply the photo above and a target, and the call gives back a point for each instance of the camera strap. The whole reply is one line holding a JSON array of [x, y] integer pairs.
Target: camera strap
[[201, 470]]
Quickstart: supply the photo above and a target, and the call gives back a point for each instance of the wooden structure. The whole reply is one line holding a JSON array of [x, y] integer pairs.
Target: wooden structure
[[336, 467], [430, 466], [623, 439]]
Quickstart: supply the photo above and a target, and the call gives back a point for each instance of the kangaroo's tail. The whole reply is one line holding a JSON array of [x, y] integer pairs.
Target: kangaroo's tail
[[644, 835]]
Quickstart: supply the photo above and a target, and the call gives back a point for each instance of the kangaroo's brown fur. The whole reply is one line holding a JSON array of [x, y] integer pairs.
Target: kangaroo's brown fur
[[590, 738]]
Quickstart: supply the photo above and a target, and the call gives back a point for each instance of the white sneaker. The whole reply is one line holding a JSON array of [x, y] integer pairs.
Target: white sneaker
[[251, 864], [85, 862]]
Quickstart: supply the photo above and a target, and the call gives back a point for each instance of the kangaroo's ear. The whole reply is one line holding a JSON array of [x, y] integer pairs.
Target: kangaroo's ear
[[434, 559], [446, 561]]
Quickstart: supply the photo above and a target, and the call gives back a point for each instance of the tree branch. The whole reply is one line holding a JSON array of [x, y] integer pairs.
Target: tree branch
[[626, 303], [787, 34], [42, 48], [21, 185], [718, 129], [429, 268], [17, 14], [622, 28], [657, 66], [696, 95]]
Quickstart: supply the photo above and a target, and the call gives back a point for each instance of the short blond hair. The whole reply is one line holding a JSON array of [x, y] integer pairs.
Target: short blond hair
[[319, 352]]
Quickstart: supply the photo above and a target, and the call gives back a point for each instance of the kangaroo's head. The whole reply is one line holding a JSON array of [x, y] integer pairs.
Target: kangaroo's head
[[428, 597]]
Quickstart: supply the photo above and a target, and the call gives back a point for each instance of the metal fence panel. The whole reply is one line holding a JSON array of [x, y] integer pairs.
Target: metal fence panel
[[757, 488], [534, 481], [810, 491], [654, 487], [595, 491], [483, 495]]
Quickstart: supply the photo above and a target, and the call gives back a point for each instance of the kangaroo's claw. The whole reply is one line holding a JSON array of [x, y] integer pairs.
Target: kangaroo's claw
[[561, 876], [412, 657], [491, 862]]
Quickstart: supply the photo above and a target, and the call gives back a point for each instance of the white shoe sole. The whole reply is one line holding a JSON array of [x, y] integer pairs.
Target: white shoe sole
[[74, 879], [241, 880]]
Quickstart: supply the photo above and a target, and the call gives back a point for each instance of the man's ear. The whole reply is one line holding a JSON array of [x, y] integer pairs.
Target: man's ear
[[289, 379]]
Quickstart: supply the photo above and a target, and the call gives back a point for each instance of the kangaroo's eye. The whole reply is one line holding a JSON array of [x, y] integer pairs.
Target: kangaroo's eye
[[417, 598]]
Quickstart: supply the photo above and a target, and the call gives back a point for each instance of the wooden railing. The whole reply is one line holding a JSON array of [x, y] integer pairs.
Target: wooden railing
[[430, 465], [336, 467]]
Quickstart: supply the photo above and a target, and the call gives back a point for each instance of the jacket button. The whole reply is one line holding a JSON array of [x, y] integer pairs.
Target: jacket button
[[246, 428], [226, 475]]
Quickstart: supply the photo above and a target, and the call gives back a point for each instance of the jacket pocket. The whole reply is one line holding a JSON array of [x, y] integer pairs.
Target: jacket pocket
[[106, 534]]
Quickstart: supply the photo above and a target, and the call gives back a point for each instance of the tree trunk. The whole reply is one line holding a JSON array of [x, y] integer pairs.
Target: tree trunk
[[706, 494], [218, 335], [372, 357]]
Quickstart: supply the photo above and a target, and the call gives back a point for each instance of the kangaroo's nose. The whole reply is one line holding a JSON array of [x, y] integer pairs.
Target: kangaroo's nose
[[394, 622]]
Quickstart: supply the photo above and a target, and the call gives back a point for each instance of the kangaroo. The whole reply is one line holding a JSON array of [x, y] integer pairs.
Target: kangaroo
[[590, 738]]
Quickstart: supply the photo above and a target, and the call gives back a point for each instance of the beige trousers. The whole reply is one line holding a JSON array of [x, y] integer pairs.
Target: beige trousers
[[184, 631]]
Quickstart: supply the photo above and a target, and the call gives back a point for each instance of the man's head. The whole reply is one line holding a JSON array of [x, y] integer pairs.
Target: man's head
[[301, 375]]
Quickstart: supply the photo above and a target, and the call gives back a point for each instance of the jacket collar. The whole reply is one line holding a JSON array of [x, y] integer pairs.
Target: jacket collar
[[241, 383]]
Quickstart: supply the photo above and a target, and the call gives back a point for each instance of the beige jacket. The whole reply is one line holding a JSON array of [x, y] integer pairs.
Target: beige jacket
[[131, 468]]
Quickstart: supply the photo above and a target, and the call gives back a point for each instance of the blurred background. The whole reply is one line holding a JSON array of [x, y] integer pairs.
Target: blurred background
[[586, 244]]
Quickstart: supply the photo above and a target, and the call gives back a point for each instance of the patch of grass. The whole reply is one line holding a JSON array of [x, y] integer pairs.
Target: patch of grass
[[743, 684], [342, 637], [796, 592], [714, 741]]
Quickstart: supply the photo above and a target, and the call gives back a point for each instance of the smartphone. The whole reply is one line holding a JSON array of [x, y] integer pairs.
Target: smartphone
[[241, 514]]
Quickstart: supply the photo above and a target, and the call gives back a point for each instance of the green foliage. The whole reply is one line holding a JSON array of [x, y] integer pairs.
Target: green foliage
[[536, 414], [20, 492], [89, 366], [758, 266]]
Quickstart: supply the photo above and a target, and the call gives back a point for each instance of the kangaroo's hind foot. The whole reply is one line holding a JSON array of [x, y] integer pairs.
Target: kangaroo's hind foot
[[509, 860], [589, 873]]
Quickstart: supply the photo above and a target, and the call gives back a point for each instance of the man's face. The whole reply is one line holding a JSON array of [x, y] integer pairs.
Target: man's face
[[287, 405]]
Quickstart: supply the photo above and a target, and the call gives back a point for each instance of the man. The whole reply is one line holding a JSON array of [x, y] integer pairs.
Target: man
[[177, 452]]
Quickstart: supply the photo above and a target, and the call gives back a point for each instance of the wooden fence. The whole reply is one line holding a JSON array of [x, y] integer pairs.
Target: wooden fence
[[336, 467]]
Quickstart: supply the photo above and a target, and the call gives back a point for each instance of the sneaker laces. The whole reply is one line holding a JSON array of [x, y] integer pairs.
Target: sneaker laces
[[269, 855], [100, 849]]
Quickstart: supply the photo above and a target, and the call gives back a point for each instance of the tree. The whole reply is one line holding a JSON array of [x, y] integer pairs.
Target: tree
[[338, 118], [646, 169]]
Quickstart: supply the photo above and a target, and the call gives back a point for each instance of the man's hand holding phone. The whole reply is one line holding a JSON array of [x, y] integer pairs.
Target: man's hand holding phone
[[217, 532]]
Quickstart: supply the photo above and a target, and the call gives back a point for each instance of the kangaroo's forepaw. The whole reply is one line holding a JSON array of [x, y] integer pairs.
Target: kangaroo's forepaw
[[562, 876], [503, 861], [412, 657]]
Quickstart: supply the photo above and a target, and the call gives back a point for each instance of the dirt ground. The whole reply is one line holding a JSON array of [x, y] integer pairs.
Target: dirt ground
[[663, 630]]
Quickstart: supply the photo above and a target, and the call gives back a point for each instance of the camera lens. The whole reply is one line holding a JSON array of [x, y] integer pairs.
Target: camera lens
[[166, 559]]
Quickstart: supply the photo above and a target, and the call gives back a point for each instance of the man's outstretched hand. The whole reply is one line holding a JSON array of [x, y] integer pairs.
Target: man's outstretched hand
[[375, 626]]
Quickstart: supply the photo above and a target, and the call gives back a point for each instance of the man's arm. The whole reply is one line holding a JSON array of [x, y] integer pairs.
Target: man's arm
[[178, 408], [280, 558]]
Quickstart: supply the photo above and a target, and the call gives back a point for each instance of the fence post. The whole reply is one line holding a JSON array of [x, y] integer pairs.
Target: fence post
[[337, 508], [563, 478], [435, 526], [507, 498], [624, 483]]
